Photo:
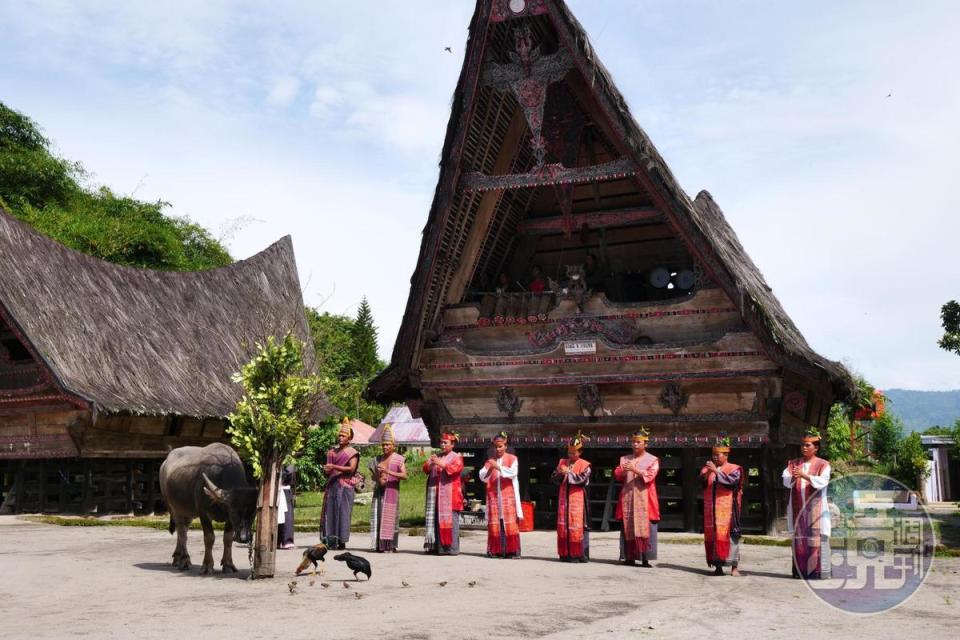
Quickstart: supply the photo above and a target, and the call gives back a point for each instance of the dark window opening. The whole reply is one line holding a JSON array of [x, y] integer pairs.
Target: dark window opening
[[15, 350]]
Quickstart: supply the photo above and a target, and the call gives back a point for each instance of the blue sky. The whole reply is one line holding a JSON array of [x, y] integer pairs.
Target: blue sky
[[324, 120]]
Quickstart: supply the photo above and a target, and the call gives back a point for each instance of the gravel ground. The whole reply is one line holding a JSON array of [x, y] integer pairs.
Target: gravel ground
[[116, 582]]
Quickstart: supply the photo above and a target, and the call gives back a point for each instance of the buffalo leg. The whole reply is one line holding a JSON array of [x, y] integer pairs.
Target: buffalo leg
[[180, 556], [226, 563], [208, 538]]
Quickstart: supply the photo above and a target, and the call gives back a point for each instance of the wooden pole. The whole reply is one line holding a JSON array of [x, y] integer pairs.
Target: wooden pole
[[265, 541], [690, 483]]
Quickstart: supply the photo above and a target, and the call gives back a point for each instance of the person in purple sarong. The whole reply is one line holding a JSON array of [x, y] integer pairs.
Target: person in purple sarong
[[387, 471], [341, 471]]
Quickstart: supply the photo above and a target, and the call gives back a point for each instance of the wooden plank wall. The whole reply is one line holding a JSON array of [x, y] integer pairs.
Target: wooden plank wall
[[77, 486]]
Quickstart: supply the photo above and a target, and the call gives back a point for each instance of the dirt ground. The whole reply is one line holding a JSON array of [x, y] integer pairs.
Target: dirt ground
[[116, 582]]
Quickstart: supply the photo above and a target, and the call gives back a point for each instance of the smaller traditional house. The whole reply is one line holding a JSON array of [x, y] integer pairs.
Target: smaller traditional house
[[408, 431], [106, 368]]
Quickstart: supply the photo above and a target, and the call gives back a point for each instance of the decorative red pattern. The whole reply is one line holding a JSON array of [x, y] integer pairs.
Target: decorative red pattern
[[698, 355], [631, 315]]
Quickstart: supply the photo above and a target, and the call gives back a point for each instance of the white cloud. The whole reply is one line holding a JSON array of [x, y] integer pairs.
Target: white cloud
[[325, 100], [284, 91]]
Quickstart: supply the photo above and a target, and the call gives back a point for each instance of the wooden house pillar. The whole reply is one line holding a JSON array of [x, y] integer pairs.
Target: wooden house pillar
[[20, 482], [768, 473], [690, 488], [86, 505]]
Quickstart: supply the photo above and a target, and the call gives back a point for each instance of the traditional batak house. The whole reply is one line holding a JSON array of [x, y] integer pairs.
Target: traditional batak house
[[649, 312], [105, 368]]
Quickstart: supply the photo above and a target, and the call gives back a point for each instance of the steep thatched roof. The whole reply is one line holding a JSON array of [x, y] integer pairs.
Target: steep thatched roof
[[700, 223], [143, 341], [709, 233]]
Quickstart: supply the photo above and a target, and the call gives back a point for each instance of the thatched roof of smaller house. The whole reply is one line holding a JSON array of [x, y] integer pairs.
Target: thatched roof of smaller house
[[142, 341]]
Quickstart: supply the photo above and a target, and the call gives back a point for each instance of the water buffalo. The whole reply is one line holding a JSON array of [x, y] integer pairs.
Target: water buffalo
[[207, 483]]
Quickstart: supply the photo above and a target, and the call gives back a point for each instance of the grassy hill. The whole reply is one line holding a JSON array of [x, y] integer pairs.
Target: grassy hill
[[922, 409]]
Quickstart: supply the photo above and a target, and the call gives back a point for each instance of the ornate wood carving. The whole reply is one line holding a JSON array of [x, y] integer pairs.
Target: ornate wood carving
[[620, 332], [550, 174], [508, 402], [528, 75], [673, 397], [795, 402], [510, 9], [589, 399], [567, 379]]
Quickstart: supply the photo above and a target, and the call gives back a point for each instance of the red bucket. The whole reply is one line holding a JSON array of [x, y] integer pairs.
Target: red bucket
[[527, 523]]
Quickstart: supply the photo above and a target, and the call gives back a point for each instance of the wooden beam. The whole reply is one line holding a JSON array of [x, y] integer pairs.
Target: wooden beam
[[548, 175], [591, 220], [486, 210]]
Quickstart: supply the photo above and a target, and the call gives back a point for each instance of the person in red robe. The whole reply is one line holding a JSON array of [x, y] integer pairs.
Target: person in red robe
[[808, 515], [722, 499], [499, 473], [573, 504], [638, 507], [444, 500]]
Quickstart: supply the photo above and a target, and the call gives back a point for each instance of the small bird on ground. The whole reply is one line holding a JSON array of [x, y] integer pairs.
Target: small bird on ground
[[293, 587], [357, 595], [324, 584], [312, 581], [472, 583], [443, 584], [345, 585], [405, 583]]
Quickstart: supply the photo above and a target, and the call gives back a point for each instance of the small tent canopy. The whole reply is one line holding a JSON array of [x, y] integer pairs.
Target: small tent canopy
[[407, 430]]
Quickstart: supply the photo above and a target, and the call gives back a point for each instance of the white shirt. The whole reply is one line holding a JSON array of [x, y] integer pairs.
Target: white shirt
[[818, 482], [509, 472]]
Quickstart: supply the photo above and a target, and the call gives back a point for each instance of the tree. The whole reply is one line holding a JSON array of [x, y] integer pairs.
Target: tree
[[910, 466], [332, 341], [885, 438], [950, 317], [347, 361], [268, 427], [838, 440], [47, 192], [365, 361]]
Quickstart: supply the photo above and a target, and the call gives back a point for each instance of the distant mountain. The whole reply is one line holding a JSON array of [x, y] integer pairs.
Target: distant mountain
[[922, 409]]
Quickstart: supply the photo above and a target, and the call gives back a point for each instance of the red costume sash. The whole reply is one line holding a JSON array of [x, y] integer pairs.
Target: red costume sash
[[720, 505], [446, 479], [571, 512]]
